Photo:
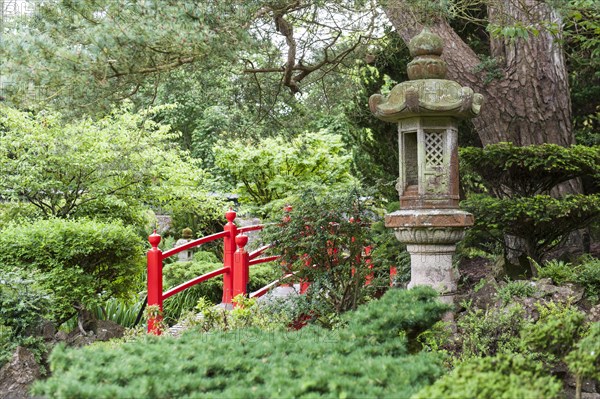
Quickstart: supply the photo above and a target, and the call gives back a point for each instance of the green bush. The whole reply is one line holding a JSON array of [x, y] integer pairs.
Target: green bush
[[508, 190], [588, 275], [556, 331], [504, 376], [559, 271], [367, 359], [80, 262], [541, 221], [517, 288], [584, 360], [491, 331], [507, 170], [18, 212]]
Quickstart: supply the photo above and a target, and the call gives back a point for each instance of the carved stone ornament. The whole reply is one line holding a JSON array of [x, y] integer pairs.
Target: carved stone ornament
[[427, 109], [429, 226], [429, 235]]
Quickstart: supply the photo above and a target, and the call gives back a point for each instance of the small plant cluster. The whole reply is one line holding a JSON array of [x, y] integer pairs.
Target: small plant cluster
[[368, 358], [516, 288], [505, 352], [585, 273], [23, 307], [248, 312]]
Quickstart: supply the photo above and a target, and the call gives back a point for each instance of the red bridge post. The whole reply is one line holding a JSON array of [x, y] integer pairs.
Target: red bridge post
[[241, 266], [229, 248], [155, 281]]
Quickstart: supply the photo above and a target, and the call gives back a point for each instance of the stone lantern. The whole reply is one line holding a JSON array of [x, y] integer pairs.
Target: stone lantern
[[427, 109], [186, 236]]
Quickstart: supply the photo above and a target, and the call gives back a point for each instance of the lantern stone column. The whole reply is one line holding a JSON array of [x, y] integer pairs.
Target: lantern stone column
[[427, 109]]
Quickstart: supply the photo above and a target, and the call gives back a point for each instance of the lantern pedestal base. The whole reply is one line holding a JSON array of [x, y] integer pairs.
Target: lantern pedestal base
[[432, 265], [431, 236]]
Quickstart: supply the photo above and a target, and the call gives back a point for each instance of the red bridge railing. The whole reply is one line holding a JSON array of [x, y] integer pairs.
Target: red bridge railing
[[235, 270]]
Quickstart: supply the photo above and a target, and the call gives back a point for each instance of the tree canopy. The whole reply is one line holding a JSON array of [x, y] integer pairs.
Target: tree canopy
[[111, 167]]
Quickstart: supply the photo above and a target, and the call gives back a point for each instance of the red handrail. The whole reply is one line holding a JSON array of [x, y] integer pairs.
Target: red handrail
[[194, 281], [194, 243], [260, 292], [263, 260], [245, 229], [259, 251]]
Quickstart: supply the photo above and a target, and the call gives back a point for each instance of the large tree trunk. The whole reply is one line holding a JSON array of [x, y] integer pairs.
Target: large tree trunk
[[529, 103]]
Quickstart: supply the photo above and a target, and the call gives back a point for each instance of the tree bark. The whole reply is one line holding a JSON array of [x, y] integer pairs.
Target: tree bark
[[530, 102]]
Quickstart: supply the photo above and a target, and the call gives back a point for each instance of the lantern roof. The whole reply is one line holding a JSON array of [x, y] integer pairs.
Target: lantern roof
[[427, 93]]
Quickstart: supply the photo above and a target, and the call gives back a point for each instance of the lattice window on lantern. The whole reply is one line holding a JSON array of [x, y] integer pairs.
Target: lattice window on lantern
[[434, 149]]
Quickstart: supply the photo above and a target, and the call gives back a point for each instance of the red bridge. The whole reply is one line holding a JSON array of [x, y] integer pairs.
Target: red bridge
[[235, 270]]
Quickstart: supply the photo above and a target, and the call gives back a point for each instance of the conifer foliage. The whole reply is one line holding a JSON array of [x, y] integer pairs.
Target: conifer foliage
[[369, 358]]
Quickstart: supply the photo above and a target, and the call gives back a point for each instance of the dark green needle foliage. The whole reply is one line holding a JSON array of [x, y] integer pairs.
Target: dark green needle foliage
[[369, 358]]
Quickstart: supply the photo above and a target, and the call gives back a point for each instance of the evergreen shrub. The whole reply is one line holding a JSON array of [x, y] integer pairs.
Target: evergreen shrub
[[369, 358], [589, 277], [584, 360], [491, 331], [504, 376], [556, 331], [508, 190]]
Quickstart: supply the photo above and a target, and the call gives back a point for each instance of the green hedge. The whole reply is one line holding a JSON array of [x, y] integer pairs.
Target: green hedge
[[79, 262], [369, 358]]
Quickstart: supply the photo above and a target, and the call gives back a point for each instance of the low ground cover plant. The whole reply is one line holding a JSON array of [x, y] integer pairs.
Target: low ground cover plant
[[585, 272], [504, 376]]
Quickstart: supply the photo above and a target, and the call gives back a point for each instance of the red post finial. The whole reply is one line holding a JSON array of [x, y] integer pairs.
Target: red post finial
[[230, 215], [154, 239], [241, 240]]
